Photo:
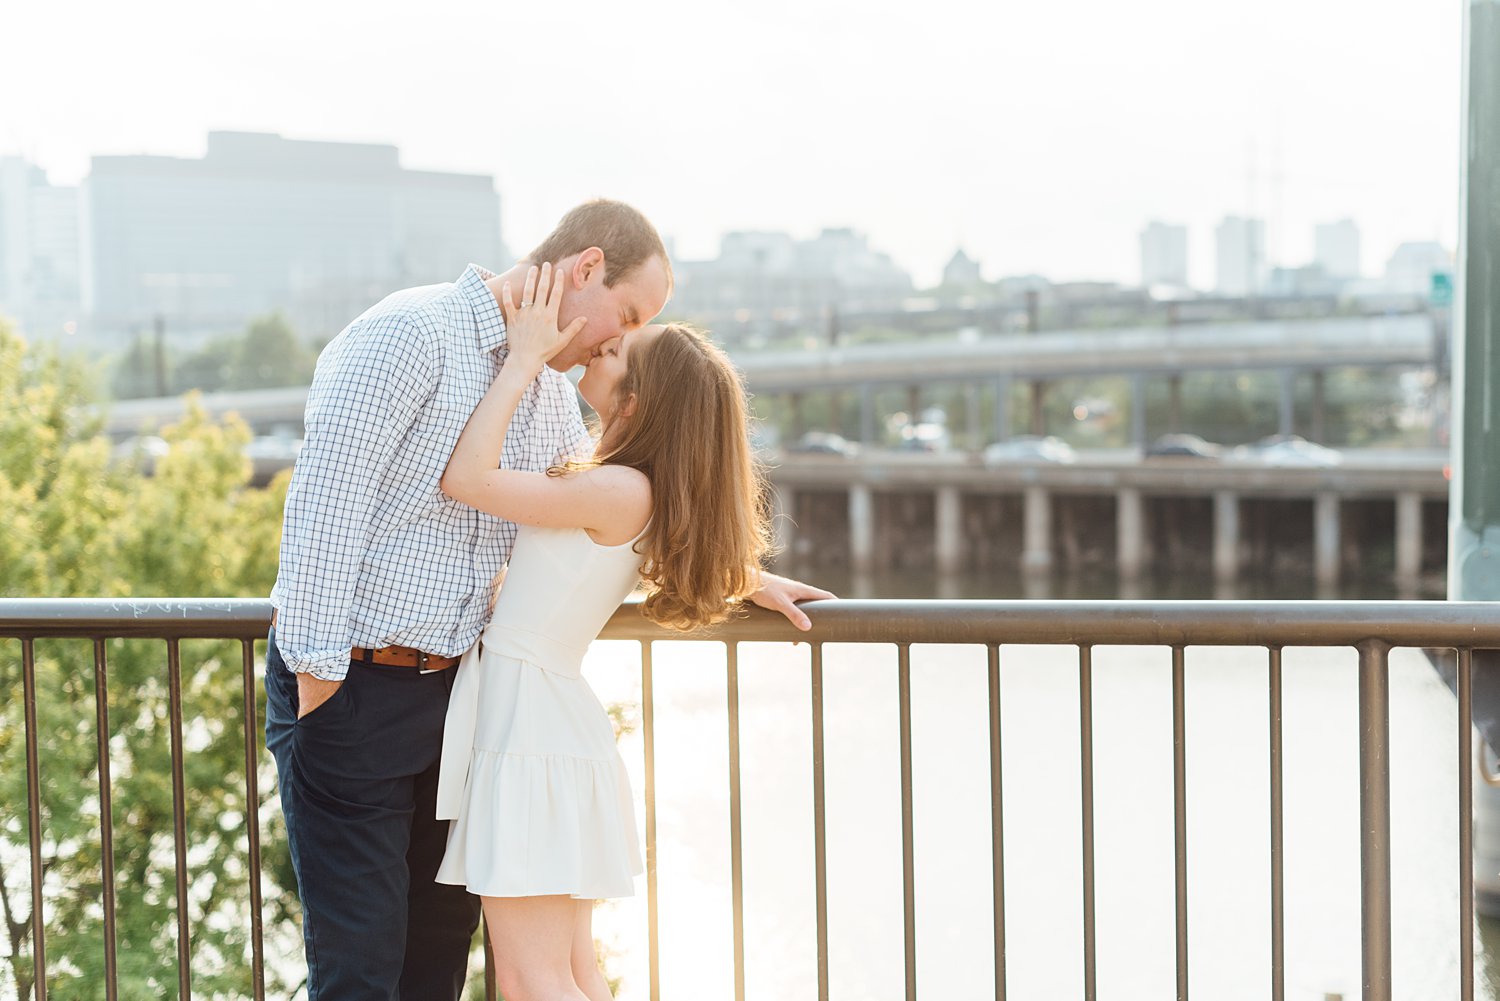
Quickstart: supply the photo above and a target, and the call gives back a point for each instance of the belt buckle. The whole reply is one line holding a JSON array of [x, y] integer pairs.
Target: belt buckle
[[422, 660]]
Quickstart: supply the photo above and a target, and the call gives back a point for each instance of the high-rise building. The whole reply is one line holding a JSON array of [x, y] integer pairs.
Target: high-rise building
[[39, 255], [1336, 248], [962, 271], [763, 283], [315, 230], [1164, 255], [1241, 256], [1411, 267]]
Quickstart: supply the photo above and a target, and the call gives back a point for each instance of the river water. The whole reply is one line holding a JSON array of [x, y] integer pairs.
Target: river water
[[1228, 822]]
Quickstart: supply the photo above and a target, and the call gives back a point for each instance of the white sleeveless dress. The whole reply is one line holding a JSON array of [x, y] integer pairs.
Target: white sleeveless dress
[[530, 776]]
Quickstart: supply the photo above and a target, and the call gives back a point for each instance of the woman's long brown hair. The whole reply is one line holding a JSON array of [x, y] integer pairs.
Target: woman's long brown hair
[[689, 433]]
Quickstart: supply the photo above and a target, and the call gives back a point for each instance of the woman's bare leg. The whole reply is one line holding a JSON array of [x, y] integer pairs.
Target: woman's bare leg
[[533, 941], [585, 962]]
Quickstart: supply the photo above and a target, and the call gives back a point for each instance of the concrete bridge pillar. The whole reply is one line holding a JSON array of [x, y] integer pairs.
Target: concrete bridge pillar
[[1174, 402], [1036, 553], [1002, 408], [949, 509], [1130, 533], [914, 402], [794, 402], [1287, 420], [867, 414], [1326, 538], [1408, 536], [861, 528], [1226, 535]]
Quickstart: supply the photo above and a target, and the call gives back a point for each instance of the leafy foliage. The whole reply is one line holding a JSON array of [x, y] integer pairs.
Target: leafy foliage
[[266, 355], [78, 525]]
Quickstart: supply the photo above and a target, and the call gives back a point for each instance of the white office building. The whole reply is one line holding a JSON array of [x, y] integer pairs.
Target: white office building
[[1336, 248], [962, 272], [39, 249], [318, 231], [764, 283], [1240, 245], [1411, 267], [1164, 259]]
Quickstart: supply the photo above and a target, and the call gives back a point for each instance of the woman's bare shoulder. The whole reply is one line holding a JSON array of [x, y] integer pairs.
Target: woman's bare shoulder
[[628, 494]]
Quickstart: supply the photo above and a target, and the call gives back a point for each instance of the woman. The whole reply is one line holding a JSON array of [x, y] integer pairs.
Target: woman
[[541, 806]]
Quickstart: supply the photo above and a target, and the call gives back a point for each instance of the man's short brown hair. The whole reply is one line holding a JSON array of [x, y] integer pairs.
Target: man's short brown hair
[[627, 238]]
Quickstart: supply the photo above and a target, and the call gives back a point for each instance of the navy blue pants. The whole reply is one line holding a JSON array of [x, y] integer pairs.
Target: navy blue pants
[[358, 781]]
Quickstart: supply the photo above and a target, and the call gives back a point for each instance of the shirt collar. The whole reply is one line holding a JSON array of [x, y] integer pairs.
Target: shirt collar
[[487, 315]]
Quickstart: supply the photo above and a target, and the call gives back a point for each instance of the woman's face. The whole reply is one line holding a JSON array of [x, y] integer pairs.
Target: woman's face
[[607, 367]]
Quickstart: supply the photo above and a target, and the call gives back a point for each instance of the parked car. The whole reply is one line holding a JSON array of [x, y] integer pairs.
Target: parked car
[[763, 438], [1294, 450], [270, 454], [140, 453], [1029, 448], [824, 443], [1183, 446], [926, 436]]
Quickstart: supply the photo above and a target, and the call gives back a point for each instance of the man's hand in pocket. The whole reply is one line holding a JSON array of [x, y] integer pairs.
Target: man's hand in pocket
[[313, 692]]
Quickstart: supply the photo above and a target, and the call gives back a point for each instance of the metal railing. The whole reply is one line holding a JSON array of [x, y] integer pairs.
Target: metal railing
[[1370, 628]]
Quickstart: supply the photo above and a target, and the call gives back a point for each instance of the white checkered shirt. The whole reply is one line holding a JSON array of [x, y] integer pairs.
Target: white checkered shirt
[[372, 552]]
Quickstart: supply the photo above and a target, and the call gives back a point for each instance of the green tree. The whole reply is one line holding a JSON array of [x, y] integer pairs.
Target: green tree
[[140, 371], [268, 354], [78, 525]]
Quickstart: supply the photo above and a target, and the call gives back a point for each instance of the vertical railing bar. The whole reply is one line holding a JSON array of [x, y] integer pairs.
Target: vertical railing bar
[[820, 830], [1278, 900], [997, 823], [736, 859], [106, 820], [1086, 775], [252, 818], [179, 820], [1179, 812], [908, 855], [1375, 818], [34, 818], [648, 734], [1466, 825]]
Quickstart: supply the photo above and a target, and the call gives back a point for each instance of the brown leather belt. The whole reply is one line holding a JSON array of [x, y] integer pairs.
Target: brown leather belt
[[397, 656], [402, 656]]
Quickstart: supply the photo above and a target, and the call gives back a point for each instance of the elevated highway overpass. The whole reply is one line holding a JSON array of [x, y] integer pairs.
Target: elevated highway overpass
[[1288, 347]]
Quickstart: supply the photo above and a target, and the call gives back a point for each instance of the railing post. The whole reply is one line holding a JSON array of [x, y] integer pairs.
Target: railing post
[[34, 819], [1375, 818]]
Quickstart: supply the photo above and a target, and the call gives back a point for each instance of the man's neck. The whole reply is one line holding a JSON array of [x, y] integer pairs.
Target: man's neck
[[517, 278]]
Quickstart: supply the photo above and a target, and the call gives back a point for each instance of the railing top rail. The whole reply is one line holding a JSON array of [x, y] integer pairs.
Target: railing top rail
[[1135, 623]]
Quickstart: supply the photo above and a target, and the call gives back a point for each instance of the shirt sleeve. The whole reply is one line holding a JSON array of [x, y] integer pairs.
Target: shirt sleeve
[[370, 385]]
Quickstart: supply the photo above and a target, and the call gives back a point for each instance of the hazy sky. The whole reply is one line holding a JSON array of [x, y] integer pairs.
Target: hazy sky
[[1041, 136]]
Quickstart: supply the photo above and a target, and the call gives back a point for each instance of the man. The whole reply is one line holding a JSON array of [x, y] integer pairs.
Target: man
[[384, 582]]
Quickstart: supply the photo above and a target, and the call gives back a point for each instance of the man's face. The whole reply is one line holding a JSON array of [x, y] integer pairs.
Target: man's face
[[611, 312]]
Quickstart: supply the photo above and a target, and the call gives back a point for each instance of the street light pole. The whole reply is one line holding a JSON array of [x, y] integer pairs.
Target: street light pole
[[1474, 521], [1474, 496]]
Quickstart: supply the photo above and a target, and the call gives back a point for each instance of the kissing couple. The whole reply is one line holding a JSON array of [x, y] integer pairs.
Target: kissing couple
[[454, 538]]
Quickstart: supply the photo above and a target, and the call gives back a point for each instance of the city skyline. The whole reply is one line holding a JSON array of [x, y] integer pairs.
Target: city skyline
[[318, 229], [1334, 244], [1036, 146]]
